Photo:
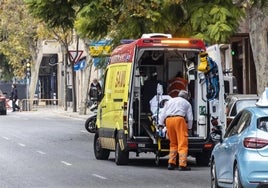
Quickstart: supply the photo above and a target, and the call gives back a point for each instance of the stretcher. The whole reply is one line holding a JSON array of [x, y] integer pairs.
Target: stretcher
[[161, 141], [160, 144]]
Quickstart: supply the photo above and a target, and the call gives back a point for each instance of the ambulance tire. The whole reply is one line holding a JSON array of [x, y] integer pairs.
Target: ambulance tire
[[202, 159], [121, 157], [100, 153]]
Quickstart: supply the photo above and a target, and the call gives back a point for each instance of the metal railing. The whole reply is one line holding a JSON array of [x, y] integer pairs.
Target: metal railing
[[34, 104]]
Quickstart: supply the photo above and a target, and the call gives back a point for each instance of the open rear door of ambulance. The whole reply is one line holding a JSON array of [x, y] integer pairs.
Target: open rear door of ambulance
[[217, 107]]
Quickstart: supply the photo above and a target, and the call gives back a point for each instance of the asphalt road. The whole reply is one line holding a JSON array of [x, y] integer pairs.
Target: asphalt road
[[49, 149]]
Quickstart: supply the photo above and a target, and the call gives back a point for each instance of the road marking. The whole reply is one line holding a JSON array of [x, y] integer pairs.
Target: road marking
[[41, 152], [83, 131], [21, 144], [99, 176], [6, 138], [66, 163]]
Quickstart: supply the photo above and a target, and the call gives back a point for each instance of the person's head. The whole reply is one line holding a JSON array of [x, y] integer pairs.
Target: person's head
[[95, 81], [184, 94]]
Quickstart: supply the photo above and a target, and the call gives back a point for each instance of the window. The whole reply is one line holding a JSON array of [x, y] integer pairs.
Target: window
[[263, 124], [243, 122], [239, 124]]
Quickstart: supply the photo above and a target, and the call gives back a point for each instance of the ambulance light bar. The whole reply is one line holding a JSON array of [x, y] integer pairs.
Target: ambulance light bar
[[175, 41]]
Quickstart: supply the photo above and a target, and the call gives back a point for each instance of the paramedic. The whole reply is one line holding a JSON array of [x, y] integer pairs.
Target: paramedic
[[149, 90], [176, 84], [177, 116]]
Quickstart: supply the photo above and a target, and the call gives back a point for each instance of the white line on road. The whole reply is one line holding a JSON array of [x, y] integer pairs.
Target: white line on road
[[66, 163], [98, 176], [41, 152], [21, 144], [83, 131], [5, 138]]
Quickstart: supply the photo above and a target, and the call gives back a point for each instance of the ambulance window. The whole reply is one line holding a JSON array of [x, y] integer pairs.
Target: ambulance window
[[153, 58]]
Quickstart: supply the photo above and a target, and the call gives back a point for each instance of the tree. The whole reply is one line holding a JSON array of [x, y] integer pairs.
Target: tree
[[212, 20], [15, 40], [257, 16], [6, 73], [19, 40], [60, 21]]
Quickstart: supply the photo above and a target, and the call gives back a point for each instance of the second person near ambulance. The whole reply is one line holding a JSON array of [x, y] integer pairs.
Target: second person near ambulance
[[177, 116]]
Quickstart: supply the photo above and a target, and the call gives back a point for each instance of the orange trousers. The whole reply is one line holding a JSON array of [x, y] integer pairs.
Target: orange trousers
[[177, 133]]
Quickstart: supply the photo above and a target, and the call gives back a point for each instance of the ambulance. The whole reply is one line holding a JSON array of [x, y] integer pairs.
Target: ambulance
[[123, 125]]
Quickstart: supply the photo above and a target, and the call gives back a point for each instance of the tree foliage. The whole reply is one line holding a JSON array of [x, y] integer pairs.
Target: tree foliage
[[213, 21], [6, 70], [18, 34]]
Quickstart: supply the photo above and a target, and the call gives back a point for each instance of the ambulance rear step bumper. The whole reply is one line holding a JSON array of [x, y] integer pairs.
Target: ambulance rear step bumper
[[142, 139], [141, 144]]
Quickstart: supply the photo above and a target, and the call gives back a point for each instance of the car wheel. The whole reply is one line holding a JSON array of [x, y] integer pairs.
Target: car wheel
[[121, 157], [213, 175], [100, 153], [236, 178]]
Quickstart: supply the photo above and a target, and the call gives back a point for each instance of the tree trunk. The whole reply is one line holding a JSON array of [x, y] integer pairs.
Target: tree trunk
[[258, 24], [65, 77], [86, 81], [37, 59], [74, 87]]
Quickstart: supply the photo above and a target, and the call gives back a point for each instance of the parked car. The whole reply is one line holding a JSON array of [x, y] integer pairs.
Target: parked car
[[3, 109], [240, 158], [236, 102]]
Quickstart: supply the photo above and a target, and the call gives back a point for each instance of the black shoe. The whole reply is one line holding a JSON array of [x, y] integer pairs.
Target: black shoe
[[171, 166], [184, 168]]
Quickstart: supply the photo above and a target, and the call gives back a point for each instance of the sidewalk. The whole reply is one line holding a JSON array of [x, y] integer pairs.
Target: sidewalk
[[62, 112], [70, 113]]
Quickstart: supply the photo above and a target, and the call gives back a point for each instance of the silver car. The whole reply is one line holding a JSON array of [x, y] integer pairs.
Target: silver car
[[236, 102]]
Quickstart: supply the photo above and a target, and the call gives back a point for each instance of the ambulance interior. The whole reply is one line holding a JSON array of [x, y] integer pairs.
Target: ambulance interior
[[166, 63]]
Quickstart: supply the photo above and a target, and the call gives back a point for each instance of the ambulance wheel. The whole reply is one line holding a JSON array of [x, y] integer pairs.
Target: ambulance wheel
[[100, 153], [121, 156]]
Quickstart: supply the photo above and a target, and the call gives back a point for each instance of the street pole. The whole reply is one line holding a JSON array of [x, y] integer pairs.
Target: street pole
[[28, 74], [27, 93]]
